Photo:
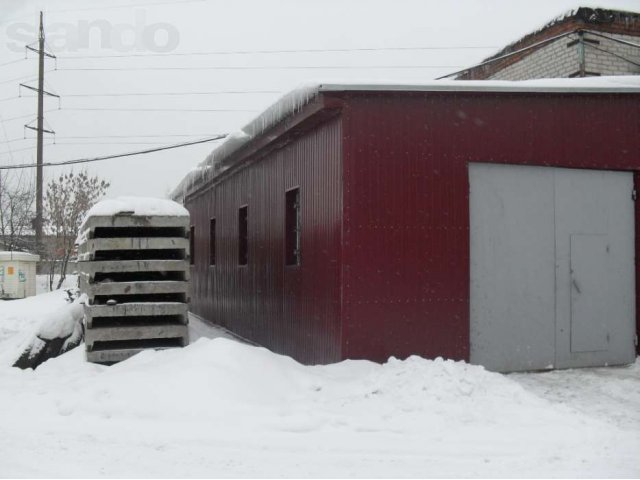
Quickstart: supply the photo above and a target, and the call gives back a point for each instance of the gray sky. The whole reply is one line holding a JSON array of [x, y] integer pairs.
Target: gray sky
[[142, 36]]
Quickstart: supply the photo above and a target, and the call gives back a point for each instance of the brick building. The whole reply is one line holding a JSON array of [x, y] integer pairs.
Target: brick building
[[583, 42]]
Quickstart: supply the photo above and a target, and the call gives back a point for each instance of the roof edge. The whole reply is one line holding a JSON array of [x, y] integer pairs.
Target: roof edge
[[295, 101]]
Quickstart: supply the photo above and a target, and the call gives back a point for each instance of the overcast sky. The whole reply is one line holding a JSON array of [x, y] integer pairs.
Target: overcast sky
[[245, 47]]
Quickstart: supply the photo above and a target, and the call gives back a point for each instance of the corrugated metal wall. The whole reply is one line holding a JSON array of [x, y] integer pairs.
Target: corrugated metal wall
[[406, 205], [293, 310], [395, 269]]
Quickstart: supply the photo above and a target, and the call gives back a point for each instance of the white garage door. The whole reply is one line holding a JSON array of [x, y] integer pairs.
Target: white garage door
[[552, 267]]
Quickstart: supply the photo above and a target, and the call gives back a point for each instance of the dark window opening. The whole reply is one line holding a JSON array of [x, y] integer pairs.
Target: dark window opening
[[292, 227], [125, 232], [243, 239], [192, 245], [212, 241]]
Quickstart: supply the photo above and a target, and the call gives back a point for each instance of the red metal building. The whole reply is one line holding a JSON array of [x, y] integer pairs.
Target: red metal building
[[338, 224]]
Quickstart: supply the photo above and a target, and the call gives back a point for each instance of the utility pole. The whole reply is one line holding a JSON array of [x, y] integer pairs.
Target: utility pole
[[39, 179], [40, 130]]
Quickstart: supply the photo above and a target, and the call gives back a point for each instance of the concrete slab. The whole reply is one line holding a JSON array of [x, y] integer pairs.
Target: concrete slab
[[117, 266], [146, 332], [86, 249], [132, 288], [114, 356]]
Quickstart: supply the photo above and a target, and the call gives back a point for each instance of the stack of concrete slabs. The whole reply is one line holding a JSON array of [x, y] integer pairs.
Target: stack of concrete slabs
[[134, 270]]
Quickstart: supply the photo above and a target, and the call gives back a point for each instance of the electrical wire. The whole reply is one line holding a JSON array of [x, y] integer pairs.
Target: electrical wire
[[18, 140], [110, 143], [613, 39], [27, 78], [12, 62], [262, 67], [135, 136], [266, 52], [33, 147], [98, 137], [109, 109], [110, 7], [151, 94], [29, 115], [109, 157], [621, 57]]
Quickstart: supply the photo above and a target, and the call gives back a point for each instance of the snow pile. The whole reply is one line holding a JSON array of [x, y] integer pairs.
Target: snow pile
[[62, 323], [58, 331], [20, 321], [221, 408]]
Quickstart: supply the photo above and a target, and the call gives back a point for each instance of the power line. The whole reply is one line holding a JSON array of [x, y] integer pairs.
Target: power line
[[109, 143], [57, 143], [266, 52], [614, 39], [126, 5], [91, 137], [621, 57], [151, 94], [24, 148], [110, 7], [109, 157], [17, 79], [261, 67], [19, 139], [109, 109], [509, 54], [28, 115], [199, 110], [12, 62]]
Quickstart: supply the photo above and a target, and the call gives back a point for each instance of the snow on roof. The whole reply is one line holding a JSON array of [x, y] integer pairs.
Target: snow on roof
[[590, 12], [296, 99], [19, 256], [137, 206]]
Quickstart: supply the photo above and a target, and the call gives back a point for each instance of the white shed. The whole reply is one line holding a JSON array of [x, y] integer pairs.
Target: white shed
[[17, 274]]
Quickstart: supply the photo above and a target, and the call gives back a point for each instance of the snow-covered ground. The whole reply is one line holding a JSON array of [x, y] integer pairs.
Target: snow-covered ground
[[221, 408]]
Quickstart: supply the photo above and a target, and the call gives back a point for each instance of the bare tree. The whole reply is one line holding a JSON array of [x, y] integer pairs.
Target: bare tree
[[67, 199], [17, 193]]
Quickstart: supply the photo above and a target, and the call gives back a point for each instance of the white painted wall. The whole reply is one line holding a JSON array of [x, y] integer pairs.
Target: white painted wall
[[17, 276]]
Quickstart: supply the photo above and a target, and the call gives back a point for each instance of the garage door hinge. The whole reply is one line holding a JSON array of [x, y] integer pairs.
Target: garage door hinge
[[634, 194]]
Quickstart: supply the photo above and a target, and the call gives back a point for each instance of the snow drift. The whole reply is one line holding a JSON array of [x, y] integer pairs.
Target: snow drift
[[221, 408]]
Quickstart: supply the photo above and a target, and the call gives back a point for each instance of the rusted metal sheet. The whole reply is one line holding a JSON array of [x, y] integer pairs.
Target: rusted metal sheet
[[290, 309]]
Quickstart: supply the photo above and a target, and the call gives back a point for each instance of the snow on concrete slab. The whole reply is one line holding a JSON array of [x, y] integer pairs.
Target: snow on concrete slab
[[220, 408], [139, 206]]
